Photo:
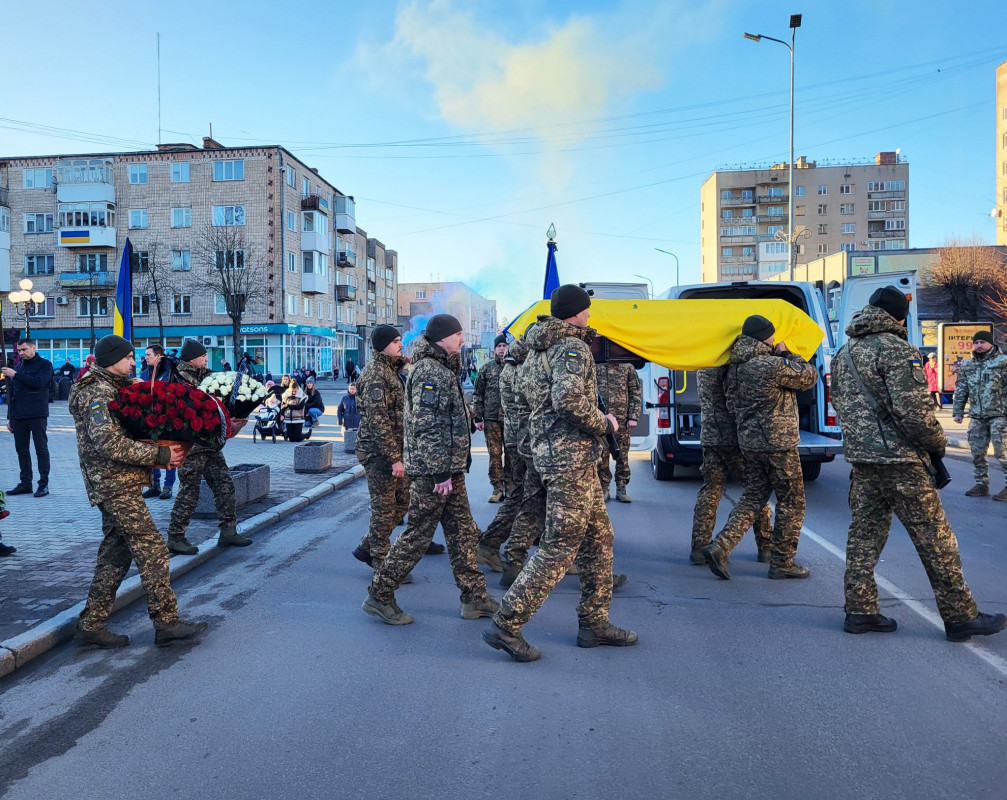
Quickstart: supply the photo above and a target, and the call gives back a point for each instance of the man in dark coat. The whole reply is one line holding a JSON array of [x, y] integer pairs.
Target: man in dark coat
[[28, 414]]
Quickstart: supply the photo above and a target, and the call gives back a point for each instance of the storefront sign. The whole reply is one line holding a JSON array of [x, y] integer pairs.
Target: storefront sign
[[862, 265], [954, 348]]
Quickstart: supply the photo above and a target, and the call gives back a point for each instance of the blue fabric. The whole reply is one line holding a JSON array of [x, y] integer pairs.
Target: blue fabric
[[551, 272], [169, 477]]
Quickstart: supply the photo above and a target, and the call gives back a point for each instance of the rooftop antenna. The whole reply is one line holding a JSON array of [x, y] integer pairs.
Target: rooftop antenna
[[158, 88]]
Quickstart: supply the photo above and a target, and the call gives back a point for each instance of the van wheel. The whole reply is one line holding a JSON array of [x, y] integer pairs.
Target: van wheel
[[661, 470], [811, 469]]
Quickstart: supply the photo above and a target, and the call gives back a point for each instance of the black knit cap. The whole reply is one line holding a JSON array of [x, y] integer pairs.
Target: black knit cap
[[111, 350], [192, 349], [501, 339], [758, 327], [568, 301], [982, 336], [382, 336], [441, 326], [890, 299]]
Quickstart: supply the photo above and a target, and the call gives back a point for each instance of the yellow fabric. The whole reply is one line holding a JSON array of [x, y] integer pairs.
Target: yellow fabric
[[688, 334]]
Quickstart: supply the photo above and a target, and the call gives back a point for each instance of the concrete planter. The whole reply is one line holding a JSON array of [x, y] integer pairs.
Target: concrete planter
[[350, 440], [251, 483], [313, 457]]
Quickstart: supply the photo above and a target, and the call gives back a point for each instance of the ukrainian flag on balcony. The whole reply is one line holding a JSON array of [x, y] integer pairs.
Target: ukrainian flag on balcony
[[75, 236], [122, 322]]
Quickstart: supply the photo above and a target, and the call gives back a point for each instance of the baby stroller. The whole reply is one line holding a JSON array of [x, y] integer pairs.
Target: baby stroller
[[268, 422]]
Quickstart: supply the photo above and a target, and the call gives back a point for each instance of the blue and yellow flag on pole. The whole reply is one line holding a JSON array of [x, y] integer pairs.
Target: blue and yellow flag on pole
[[122, 321]]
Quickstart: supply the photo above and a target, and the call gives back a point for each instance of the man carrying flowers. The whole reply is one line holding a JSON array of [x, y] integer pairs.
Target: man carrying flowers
[[202, 462], [115, 470]]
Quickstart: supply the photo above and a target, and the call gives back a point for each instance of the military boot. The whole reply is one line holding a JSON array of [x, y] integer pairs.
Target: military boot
[[605, 634], [483, 607], [621, 496], [490, 557], [790, 570], [983, 625], [389, 613], [765, 555], [1001, 495], [605, 494], [512, 643], [229, 536], [360, 554], [103, 638], [435, 548], [618, 581], [979, 490], [716, 560], [177, 632], [869, 623], [182, 546], [498, 494], [510, 573], [696, 557], [151, 491]]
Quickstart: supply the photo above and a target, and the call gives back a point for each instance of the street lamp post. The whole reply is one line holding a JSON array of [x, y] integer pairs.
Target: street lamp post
[[22, 301], [649, 281], [669, 253], [795, 23]]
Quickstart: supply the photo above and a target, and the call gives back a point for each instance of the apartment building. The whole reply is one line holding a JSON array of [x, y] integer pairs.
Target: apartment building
[[478, 316], [64, 220], [1001, 151], [842, 207]]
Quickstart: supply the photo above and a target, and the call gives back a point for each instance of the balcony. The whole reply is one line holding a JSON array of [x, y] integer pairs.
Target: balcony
[[4, 196], [346, 212], [750, 239], [886, 214], [313, 283], [346, 258], [315, 240], [737, 201], [781, 218], [880, 234], [345, 294], [738, 259], [87, 236], [85, 180], [84, 280], [312, 202], [773, 198]]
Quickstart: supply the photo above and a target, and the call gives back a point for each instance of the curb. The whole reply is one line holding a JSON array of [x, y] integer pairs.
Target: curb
[[17, 651]]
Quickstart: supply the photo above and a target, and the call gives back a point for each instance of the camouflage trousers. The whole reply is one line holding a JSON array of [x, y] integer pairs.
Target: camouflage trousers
[[878, 490], [766, 474], [461, 535], [499, 529], [499, 468], [389, 502], [621, 463], [208, 464], [720, 465], [981, 432], [577, 529], [529, 523], [129, 535]]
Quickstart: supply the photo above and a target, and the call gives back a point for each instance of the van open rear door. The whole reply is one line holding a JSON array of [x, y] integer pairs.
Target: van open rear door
[[857, 291]]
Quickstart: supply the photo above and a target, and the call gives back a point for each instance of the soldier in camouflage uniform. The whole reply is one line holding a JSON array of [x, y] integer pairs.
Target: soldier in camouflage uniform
[[437, 456], [890, 454], [116, 470], [567, 435], [622, 392], [722, 461], [762, 384], [488, 414], [981, 384], [203, 462]]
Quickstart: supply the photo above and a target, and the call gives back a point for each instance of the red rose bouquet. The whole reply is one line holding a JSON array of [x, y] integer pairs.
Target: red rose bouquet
[[161, 412]]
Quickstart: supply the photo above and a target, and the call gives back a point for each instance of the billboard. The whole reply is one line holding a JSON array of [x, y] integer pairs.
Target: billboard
[[954, 348]]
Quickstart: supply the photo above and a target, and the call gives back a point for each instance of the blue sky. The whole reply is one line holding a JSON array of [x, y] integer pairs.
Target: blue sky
[[465, 128]]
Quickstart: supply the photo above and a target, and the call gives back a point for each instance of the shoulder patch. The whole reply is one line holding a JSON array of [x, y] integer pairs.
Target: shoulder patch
[[376, 392], [97, 413], [574, 362], [428, 394]]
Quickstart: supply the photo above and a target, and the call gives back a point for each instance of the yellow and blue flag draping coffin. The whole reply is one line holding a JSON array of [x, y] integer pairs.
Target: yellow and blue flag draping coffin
[[688, 334]]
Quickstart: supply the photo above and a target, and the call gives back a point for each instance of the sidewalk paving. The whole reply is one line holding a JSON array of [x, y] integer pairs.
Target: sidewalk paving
[[57, 536]]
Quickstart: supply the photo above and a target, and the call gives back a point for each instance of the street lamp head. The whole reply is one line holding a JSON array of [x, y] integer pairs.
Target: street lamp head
[[15, 297], [25, 284], [795, 20], [755, 37], [37, 298]]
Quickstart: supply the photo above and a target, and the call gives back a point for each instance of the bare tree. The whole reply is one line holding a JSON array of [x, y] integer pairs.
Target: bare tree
[[153, 277], [972, 276], [229, 267]]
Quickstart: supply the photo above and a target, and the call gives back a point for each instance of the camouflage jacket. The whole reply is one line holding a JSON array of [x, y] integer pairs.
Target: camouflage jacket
[[194, 375], [762, 389], [717, 428], [380, 398], [891, 370], [621, 390], [486, 391], [566, 427], [510, 402], [981, 384], [112, 463], [438, 436]]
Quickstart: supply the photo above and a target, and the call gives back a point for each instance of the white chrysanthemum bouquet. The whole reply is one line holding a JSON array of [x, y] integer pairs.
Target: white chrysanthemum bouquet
[[240, 394]]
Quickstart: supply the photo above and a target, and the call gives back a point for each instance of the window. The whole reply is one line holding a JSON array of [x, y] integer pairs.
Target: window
[[307, 262], [180, 172], [291, 220], [47, 308], [87, 308], [823, 249], [305, 187], [76, 215], [847, 188], [748, 251], [137, 173], [219, 304], [181, 218], [823, 189], [747, 194], [92, 262], [309, 221], [822, 208], [848, 228], [726, 252], [895, 224], [37, 178], [896, 205], [772, 229], [823, 229], [291, 177], [421, 294], [776, 191], [738, 230], [875, 205], [291, 304], [798, 211], [39, 264], [775, 211], [229, 170], [141, 304], [847, 246], [138, 218], [747, 213], [291, 262], [727, 214], [181, 260], [307, 307], [846, 208], [228, 215], [775, 247], [229, 259], [896, 244], [141, 262], [4, 219], [725, 195], [38, 223], [181, 304], [799, 191]]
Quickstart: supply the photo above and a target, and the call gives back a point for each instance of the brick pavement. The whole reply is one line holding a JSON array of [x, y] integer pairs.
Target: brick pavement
[[57, 536]]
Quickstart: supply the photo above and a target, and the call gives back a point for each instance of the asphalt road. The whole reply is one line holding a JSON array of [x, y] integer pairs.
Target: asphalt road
[[740, 689]]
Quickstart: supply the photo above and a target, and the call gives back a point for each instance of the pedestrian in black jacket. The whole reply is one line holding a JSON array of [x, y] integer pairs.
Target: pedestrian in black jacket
[[28, 414], [313, 406], [349, 417]]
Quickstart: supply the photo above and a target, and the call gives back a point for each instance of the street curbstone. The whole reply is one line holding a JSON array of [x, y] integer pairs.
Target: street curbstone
[[7, 662]]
